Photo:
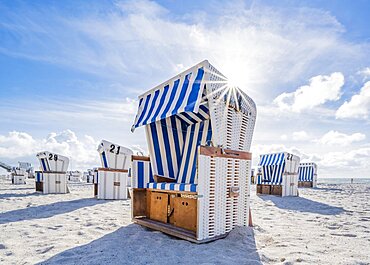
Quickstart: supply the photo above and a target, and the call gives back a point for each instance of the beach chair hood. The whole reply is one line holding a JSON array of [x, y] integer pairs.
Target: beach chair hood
[[189, 110]]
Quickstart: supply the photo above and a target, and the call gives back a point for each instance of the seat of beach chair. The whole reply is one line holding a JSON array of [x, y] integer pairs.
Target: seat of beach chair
[[173, 186]]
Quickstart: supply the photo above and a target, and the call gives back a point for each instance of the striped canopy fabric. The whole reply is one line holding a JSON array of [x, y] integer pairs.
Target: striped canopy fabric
[[273, 166], [177, 119], [141, 173], [173, 186], [39, 176], [306, 172], [272, 159], [181, 95], [173, 150]]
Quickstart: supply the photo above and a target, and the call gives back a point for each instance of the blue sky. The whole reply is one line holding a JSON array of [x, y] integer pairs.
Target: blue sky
[[71, 71]]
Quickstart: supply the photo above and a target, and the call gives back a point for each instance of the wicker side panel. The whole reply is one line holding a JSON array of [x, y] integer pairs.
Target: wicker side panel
[[206, 200]]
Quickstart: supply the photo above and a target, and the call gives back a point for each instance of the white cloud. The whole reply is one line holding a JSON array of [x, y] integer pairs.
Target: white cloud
[[16, 144], [296, 136], [358, 106], [22, 146], [321, 89], [356, 161], [300, 136], [284, 137], [341, 139], [364, 72], [261, 149], [255, 46]]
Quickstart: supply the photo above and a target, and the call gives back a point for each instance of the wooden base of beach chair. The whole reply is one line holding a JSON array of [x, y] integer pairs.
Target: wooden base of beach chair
[[39, 186], [269, 189], [173, 230], [263, 189], [171, 212], [95, 189], [305, 184]]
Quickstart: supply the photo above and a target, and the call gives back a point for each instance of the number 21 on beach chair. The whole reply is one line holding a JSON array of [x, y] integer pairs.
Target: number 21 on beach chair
[[195, 183]]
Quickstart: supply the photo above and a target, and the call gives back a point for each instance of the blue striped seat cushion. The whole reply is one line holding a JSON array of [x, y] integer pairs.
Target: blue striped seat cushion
[[173, 186]]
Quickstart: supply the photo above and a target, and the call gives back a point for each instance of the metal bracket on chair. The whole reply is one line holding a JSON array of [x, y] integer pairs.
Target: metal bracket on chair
[[234, 192]]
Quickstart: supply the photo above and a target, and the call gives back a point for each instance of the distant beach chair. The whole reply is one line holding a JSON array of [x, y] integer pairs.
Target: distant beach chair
[[279, 174], [18, 176], [111, 180], [307, 175], [195, 183], [74, 176], [53, 172]]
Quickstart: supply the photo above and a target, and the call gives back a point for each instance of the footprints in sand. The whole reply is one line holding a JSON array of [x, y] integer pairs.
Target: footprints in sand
[[55, 227], [365, 219], [44, 250], [345, 235], [334, 226]]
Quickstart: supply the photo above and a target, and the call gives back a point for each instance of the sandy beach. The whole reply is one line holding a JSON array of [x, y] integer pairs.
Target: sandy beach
[[327, 225]]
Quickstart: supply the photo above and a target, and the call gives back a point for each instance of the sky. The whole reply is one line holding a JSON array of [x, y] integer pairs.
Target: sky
[[71, 73]]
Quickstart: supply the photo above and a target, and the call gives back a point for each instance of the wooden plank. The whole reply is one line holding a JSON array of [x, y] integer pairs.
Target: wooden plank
[[225, 153], [158, 206], [140, 158], [148, 196], [171, 215], [185, 213], [258, 188], [95, 189], [160, 179], [39, 186], [305, 184], [277, 190], [113, 170], [138, 202], [266, 189], [174, 231]]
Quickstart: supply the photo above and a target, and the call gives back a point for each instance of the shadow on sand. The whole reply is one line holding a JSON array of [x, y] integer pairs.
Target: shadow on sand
[[46, 211], [18, 188], [19, 195], [134, 244], [328, 189], [301, 204]]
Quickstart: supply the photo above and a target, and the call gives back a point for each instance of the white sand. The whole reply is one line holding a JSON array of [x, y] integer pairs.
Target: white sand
[[328, 225]]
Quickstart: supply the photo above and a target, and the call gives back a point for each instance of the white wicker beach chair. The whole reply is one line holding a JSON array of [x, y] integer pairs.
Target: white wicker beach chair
[[279, 174], [195, 185], [307, 175], [111, 180], [53, 172]]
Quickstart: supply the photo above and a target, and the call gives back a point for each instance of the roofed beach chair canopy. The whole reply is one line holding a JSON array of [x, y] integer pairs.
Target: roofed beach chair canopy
[[279, 172], [53, 173], [189, 119], [307, 175], [112, 179]]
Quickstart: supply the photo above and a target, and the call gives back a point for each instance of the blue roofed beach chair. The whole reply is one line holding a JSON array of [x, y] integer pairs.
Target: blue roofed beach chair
[[111, 181], [307, 175], [195, 182], [53, 172], [279, 174]]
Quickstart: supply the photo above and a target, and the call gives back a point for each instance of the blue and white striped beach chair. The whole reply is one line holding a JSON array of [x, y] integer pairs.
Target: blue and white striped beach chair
[[279, 174], [307, 175], [195, 185]]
